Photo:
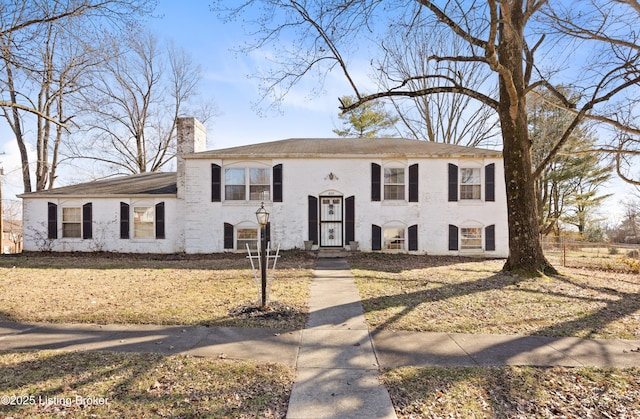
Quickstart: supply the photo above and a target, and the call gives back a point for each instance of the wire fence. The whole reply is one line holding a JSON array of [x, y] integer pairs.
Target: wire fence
[[577, 254]]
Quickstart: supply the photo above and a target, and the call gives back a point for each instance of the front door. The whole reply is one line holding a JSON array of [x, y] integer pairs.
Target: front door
[[331, 221]]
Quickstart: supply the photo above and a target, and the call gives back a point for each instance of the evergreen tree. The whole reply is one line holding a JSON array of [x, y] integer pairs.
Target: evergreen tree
[[367, 121]]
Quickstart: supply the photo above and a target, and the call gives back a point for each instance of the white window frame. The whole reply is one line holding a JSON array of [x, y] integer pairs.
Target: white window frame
[[252, 191], [469, 240], [395, 185], [394, 242], [140, 226], [67, 222], [475, 184], [242, 241]]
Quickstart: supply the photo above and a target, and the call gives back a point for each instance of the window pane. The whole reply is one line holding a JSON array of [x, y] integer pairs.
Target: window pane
[[394, 192], [234, 192], [471, 238], [259, 192], [143, 222], [71, 215], [71, 230], [469, 191], [393, 175], [259, 176], [394, 238], [247, 236], [234, 176], [470, 176]]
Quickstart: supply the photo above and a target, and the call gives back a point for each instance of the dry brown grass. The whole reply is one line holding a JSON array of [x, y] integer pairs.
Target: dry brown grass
[[442, 294], [46, 384], [514, 392], [111, 288]]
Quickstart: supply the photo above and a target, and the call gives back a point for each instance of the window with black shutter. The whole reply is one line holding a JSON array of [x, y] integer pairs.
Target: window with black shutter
[[490, 238], [413, 183], [413, 237], [216, 183], [87, 221], [160, 233], [124, 220], [453, 182], [228, 236], [277, 183], [375, 181], [52, 221], [490, 182], [376, 237], [453, 237]]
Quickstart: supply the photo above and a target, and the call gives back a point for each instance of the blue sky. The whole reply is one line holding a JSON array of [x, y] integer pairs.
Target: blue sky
[[226, 81]]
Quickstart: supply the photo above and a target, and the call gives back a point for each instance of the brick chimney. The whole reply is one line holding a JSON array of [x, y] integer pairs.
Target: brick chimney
[[191, 138]]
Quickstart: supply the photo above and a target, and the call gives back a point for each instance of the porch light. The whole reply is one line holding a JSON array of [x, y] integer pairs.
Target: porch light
[[262, 215]]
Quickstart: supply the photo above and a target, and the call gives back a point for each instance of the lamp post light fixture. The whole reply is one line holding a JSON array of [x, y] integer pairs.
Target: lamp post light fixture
[[262, 216]]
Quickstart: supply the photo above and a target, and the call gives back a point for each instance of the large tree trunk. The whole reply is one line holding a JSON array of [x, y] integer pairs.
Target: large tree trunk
[[525, 250]]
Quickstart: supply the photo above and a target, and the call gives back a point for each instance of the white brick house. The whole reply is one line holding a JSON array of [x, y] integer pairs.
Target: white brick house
[[387, 194]]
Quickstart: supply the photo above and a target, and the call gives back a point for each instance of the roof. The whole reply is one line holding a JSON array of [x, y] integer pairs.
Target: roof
[[165, 183], [153, 183], [346, 148]]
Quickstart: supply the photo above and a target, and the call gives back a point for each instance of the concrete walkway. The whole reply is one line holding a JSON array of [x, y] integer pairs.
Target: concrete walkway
[[336, 356], [337, 370]]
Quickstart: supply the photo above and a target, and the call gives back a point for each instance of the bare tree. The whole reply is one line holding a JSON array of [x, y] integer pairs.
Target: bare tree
[[132, 107], [506, 37], [446, 118], [37, 76]]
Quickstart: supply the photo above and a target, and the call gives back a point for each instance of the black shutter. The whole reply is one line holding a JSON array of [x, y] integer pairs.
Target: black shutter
[[216, 183], [490, 238], [490, 182], [313, 219], [413, 183], [277, 183], [453, 182], [376, 237], [87, 221], [52, 221], [413, 237], [124, 220], [375, 181], [160, 221], [350, 219], [228, 236], [453, 237]]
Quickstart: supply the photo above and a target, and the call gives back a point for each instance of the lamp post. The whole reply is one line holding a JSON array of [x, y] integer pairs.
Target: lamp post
[[263, 219]]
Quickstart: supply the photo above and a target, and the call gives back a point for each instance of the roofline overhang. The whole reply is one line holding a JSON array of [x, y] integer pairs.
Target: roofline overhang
[[93, 196]]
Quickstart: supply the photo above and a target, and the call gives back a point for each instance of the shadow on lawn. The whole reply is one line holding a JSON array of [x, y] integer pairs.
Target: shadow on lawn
[[617, 305], [111, 384]]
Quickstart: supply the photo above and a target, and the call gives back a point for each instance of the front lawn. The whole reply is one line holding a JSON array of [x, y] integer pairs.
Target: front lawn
[[151, 289], [462, 295]]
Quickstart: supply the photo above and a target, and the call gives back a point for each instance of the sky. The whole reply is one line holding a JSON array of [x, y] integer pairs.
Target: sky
[[228, 83]]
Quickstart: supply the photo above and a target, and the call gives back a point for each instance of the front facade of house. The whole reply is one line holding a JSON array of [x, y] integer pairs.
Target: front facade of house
[[385, 194]]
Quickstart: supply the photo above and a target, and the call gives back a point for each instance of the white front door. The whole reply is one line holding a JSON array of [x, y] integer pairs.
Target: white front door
[[331, 221]]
